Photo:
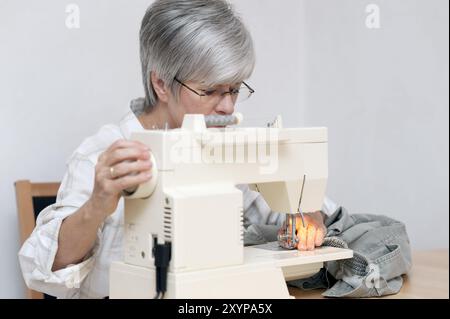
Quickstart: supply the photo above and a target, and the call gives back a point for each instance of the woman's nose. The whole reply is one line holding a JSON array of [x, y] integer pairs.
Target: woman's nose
[[226, 105]]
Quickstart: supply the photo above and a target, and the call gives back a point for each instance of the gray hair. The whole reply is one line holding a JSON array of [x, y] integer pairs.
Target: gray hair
[[193, 40]]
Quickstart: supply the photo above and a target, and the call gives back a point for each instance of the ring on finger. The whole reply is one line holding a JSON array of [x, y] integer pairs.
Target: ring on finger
[[112, 172]]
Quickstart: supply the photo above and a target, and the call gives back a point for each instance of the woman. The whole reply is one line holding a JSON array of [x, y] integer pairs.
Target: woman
[[196, 55]]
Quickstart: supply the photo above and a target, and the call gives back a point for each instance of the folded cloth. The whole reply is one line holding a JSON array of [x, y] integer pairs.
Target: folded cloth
[[381, 255]]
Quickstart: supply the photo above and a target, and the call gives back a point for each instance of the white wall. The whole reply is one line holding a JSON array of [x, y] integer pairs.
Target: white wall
[[383, 93], [57, 86]]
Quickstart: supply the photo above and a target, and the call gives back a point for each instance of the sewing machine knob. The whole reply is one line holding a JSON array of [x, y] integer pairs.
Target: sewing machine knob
[[144, 190]]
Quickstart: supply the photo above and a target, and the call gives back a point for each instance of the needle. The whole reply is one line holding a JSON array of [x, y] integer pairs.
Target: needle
[[300, 201]]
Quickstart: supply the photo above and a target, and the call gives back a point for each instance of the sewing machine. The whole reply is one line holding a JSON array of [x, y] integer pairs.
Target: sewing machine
[[193, 209]]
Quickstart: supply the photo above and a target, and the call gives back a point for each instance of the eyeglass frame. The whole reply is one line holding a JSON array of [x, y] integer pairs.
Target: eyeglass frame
[[252, 91]]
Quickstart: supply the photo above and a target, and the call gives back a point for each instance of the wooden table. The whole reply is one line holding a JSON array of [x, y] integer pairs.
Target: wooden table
[[428, 279]]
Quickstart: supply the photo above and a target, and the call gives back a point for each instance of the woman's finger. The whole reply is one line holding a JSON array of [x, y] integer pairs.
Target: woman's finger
[[311, 237], [124, 154], [130, 168], [302, 237], [320, 236], [127, 144], [130, 181]]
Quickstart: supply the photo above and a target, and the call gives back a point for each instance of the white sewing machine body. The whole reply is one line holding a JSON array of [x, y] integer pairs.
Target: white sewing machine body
[[194, 204]]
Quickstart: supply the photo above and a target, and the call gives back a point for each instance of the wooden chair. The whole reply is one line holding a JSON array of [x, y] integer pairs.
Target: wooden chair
[[31, 199]]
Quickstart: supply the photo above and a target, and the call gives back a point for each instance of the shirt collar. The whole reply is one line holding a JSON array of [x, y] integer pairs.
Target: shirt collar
[[130, 123]]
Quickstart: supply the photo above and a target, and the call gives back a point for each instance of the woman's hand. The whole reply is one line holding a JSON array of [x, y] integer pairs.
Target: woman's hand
[[312, 234], [126, 164]]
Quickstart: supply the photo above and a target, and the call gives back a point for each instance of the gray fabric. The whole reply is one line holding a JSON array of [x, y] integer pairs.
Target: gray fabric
[[381, 248], [138, 106], [256, 210], [260, 234], [382, 254]]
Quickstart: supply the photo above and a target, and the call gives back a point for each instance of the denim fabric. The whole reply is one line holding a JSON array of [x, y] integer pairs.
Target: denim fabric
[[260, 234], [381, 248], [382, 254]]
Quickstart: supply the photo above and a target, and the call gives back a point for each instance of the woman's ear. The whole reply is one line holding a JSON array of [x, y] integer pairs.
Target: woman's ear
[[160, 88]]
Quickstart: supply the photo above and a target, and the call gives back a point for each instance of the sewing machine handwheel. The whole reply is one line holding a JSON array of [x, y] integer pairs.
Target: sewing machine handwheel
[[144, 190]]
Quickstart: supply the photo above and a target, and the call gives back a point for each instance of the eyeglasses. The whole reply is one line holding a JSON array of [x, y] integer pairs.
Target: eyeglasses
[[214, 96]]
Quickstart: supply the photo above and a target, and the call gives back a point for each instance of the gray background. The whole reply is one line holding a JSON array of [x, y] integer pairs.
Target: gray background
[[383, 94]]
